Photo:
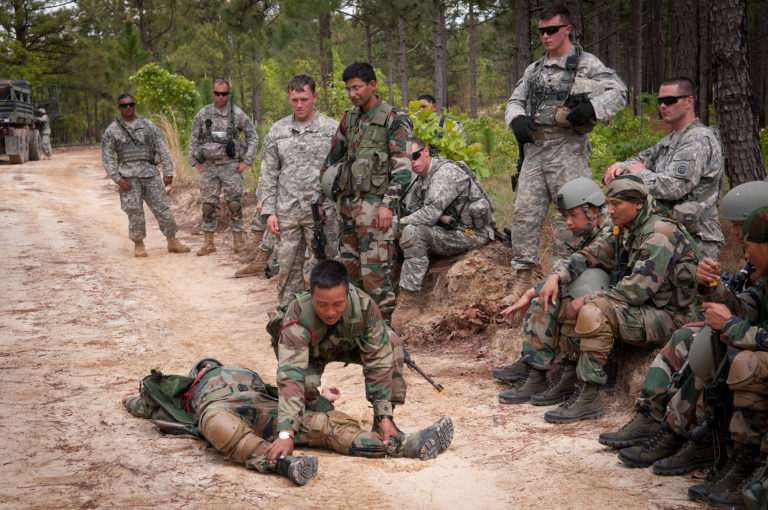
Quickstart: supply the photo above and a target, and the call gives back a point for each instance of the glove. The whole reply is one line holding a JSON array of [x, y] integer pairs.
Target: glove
[[522, 128], [581, 113]]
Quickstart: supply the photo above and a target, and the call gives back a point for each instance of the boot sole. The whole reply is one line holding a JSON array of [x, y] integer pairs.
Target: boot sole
[[623, 443], [444, 433], [542, 401], [634, 463], [589, 415], [514, 400], [717, 503], [303, 470], [679, 470], [696, 495]]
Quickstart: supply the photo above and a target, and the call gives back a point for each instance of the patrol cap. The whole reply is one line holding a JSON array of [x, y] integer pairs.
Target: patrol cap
[[591, 280], [743, 199], [578, 192], [755, 229], [41, 110]]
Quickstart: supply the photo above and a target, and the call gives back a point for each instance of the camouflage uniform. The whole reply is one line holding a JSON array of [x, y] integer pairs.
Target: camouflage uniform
[[558, 155], [649, 303], [208, 147], [44, 125], [137, 166], [306, 344], [291, 158], [684, 173], [542, 329], [447, 189], [365, 250], [236, 401]]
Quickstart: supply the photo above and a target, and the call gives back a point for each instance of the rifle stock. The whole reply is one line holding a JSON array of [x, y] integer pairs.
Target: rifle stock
[[413, 366]]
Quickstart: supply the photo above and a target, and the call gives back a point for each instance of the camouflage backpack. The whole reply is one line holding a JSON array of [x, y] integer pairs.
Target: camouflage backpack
[[165, 397]]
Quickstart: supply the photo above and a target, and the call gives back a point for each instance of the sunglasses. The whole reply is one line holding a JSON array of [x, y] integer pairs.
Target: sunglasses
[[670, 100], [550, 30], [220, 94], [126, 105], [416, 155]]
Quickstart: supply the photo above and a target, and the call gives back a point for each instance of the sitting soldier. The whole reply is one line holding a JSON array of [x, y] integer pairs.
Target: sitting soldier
[[237, 413], [580, 202], [454, 214]]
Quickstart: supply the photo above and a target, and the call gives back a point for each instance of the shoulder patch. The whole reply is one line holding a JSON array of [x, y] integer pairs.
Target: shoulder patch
[[682, 168]]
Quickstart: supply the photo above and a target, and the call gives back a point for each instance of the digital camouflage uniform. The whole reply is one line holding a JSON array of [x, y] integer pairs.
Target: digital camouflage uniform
[[208, 147], [237, 413], [447, 189], [44, 125], [376, 146], [306, 344], [140, 149], [544, 329], [648, 304], [558, 155], [291, 157], [684, 173]]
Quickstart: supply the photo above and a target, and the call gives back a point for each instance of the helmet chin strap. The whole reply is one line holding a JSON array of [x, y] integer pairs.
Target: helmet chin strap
[[590, 225]]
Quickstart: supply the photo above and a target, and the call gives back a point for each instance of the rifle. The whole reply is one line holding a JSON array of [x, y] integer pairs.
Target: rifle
[[515, 177], [737, 281], [318, 234], [505, 238], [176, 428], [413, 366]]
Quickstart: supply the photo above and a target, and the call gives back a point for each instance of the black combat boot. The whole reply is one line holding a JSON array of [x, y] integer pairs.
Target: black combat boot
[[660, 446], [534, 381], [729, 495], [738, 467], [637, 430], [690, 456], [299, 470], [425, 444], [755, 491], [583, 404], [561, 387], [510, 373]]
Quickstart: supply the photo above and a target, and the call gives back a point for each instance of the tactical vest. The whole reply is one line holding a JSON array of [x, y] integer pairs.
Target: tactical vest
[[133, 149], [367, 170], [208, 122], [542, 102], [474, 196]]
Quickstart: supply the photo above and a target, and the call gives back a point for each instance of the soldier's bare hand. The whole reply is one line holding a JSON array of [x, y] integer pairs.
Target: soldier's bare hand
[[273, 225], [716, 315], [279, 449], [549, 291], [331, 394], [199, 167], [708, 271], [167, 180], [386, 428], [521, 305], [383, 218], [241, 167], [123, 184], [574, 307], [612, 172]]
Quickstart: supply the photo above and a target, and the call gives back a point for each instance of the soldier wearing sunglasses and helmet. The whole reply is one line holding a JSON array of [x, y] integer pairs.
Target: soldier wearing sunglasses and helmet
[[684, 171], [556, 103]]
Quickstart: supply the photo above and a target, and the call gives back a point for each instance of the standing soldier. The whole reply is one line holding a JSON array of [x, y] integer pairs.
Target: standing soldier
[[556, 103], [371, 149], [219, 153], [44, 125], [138, 145], [291, 157]]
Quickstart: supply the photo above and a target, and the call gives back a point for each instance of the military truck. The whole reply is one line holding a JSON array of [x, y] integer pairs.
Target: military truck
[[19, 135]]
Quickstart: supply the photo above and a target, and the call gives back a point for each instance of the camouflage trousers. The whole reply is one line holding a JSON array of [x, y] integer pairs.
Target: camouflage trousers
[[418, 241], [224, 180], [152, 191], [709, 249], [548, 166], [45, 142], [544, 331], [367, 252], [644, 326]]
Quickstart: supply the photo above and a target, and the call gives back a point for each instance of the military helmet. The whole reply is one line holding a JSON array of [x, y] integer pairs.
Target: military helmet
[[202, 364], [591, 280], [328, 178], [579, 191], [702, 359], [41, 110], [743, 199]]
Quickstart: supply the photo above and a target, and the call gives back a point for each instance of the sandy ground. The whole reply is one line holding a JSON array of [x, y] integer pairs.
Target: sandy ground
[[82, 321]]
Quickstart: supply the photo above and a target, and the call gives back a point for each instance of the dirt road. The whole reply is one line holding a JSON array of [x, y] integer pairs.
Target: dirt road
[[82, 321]]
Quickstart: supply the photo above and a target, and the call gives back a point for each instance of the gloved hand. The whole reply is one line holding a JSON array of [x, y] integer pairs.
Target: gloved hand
[[581, 113], [522, 128]]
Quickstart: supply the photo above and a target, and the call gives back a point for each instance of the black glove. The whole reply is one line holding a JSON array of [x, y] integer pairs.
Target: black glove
[[581, 113], [522, 128]]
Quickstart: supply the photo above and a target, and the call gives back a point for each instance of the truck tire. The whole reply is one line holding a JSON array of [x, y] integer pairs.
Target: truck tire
[[35, 148], [23, 157]]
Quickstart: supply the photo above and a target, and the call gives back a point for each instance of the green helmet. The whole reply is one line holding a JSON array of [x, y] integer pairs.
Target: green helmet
[[591, 280], [743, 199], [202, 364], [579, 191], [700, 356], [328, 179]]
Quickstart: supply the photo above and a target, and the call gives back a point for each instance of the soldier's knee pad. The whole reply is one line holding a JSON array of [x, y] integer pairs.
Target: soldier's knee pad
[[228, 434], [747, 379], [208, 211], [235, 209], [334, 430], [590, 319], [411, 242]]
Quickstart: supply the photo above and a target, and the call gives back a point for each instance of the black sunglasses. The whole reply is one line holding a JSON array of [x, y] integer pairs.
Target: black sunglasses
[[416, 155], [670, 100], [126, 105], [550, 30], [220, 94]]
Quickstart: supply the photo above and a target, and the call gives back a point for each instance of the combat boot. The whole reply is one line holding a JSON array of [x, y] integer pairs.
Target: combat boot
[[534, 381], [755, 491], [730, 496], [561, 387], [735, 471], [409, 306], [523, 282], [252, 247], [690, 456], [510, 373], [175, 246], [299, 470], [208, 246], [238, 243], [138, 250], [640, 428], [256, 267], [425, 444], [583, 404], [664, 444]]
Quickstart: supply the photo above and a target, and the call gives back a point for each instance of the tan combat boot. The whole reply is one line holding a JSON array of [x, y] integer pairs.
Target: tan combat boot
[[252, 247], [409, 305], [256, 267], [523, 282], [208, 246], [175, 246], [238, 243], [138, 250]]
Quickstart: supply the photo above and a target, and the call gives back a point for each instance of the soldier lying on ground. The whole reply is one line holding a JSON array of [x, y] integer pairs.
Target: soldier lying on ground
[[236, 412]]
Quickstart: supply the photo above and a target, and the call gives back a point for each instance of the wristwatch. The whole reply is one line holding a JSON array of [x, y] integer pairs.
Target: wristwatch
[[284, 434]]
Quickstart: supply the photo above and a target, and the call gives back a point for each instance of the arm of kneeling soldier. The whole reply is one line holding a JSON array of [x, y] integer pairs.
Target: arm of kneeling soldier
[[281, 446]]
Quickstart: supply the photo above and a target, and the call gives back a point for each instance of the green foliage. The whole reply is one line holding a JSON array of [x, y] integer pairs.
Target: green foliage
[[19, 63], [764, 145], [499, 144], [163, 91]]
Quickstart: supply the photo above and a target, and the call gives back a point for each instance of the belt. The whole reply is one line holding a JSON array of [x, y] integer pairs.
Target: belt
[[551, 135]]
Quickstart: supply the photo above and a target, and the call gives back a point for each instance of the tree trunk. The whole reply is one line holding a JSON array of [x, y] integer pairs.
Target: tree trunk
[[612, 41], [368, 42], [637, 43], [390, 79], [441, 55], [733, 92], [472, 64], [326, 55], [523, 42], [759, 65], [704, 85], [256, 90], [576, 19], [403, 61]]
